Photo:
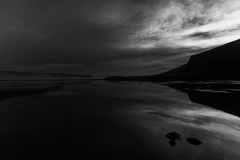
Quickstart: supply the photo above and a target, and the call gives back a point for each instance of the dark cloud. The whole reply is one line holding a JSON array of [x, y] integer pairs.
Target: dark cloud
[[202, 35], [87, 36]]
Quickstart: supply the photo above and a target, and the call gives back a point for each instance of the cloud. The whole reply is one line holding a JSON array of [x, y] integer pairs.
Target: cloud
[[62, 65], [171, 25], [201, 35], [109, 36]]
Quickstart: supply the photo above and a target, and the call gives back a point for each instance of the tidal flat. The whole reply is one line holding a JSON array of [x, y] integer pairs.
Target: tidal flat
[[95, 119]]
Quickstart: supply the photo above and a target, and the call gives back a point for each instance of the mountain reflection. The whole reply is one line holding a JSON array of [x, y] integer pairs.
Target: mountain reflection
[[224, 97], [99, 119]]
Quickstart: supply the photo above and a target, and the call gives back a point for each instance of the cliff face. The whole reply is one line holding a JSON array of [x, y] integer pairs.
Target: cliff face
[[12, 75], [219, 63]]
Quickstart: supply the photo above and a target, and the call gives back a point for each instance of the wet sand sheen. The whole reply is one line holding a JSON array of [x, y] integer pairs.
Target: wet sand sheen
[[112, 121]]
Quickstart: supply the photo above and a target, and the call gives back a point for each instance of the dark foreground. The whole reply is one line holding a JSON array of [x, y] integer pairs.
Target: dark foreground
[[130, 120]]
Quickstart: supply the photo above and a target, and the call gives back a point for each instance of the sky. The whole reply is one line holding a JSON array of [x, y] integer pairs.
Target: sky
[[112, 37]]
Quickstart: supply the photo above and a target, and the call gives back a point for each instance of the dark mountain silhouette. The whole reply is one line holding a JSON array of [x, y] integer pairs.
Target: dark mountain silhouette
[[13, 75], [220, 63]]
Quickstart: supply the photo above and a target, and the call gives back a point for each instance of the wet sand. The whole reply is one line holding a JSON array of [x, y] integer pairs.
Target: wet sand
[[98, 119]]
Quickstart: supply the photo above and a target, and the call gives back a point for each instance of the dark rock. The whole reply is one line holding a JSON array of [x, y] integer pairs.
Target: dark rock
[[194, 141], [172, 143], [174, 136]]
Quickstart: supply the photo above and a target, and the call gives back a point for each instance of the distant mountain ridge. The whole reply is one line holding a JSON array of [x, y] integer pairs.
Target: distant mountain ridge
[[220, 63], [14, 75]]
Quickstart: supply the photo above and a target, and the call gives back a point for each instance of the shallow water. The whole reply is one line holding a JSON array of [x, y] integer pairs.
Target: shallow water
[[99, 119]]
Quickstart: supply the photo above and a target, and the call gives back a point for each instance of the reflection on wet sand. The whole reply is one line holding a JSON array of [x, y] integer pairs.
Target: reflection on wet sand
[[115, 121], [13, 93], [216, 126], [221, 96]]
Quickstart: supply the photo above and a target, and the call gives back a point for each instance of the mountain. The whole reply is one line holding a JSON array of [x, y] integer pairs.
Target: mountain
[[219, 63], [13, 75]]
